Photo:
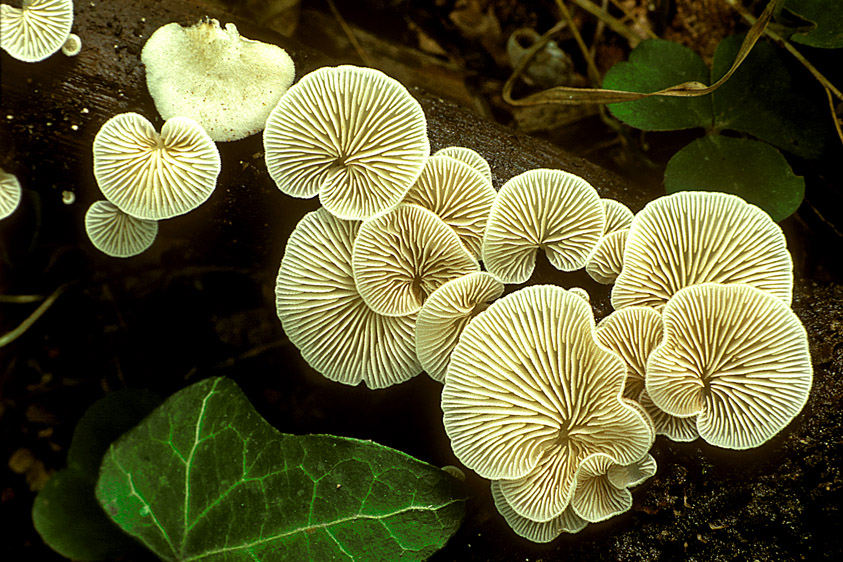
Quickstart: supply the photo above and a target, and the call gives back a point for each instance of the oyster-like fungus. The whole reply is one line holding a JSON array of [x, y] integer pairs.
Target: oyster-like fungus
[[117, 234], [694, 237], [606, 262], [602, 489], [445, 314], [618, 216], [529, 394], [470, 157], [402, 256], [352, 135], [633, 333], [36, 30], [734, 357], [537, 531], [549, 209], [458, 195], [325, 317], [155, 176], [226, 83], [580, 292], [73, 45], [10, 193]]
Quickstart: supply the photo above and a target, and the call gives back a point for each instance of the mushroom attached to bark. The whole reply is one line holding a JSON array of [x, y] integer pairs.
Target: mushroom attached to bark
[[694, 237], [470, 157], [117, 234], [602, 489], [155, 176], [529, 394], [606, 262], [352, 135], [402, 256], [36, 30], [445, 314], [326, 319], [10, 193], [736, 359], [618, 216], [226, 83], [73, 45], [458, 195], [542, 209], [536, 531]]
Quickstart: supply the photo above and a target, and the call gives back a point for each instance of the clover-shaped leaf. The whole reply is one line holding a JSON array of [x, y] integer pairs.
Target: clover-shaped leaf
[[204, 477], [826, 14]]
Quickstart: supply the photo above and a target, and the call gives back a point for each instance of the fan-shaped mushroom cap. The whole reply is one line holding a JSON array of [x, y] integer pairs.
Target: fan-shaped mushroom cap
[[155, 176], [548, 209], [10, 193], [602, 486], [694, 237], [470, 157], [444, 315], [529, 393], [226, 83], [36, 30], [735, 357], [618, 216], [117, 234], [353, 135], [674, 428], [458, 195], [402, 256], [325, 318], [73, 45], [580, 292], [606, 262], [541, 532]]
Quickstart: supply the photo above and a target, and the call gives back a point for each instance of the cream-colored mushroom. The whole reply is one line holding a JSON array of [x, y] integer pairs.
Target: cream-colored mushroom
[[155, 176], [445, 314], [542, 209], [695, 237], [618, 216], [606, 262], [734, 357], [458, 195], [36, 30], [602, 489], [10, 193], [326, 319], [470, 157], [540, 532], [117, 234], [402, 256], [352, 135]]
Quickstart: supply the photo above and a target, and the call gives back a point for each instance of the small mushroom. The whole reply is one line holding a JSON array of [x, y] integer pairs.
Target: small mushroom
[[694, 237], [402, 256], [117, 234], [73, 45], [602, 486], [352, 135], [223, 81], [445, 314], [734, 357], [470, 157], [155, 176], [606, 262], [542, 209], [326, 319], [458, 195], [540, 532], [36, 30], [618, 216], [10, 193]]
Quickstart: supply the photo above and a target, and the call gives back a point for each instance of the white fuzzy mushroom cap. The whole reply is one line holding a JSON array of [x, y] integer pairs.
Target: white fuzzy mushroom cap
[[36, 30], [226, 83]]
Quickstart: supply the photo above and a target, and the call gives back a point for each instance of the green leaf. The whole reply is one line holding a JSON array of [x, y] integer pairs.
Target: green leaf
[[204, 477], [828, 17], [764, 99], [748, 168], [655, 64]]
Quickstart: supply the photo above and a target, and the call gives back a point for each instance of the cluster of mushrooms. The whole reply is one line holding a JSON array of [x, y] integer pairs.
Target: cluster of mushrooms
[[403, 267]]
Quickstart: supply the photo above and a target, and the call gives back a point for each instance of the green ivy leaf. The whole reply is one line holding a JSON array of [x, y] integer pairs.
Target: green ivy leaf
[[827, 15], [764, 99], [748, 168], [655, 64], [204, 477]]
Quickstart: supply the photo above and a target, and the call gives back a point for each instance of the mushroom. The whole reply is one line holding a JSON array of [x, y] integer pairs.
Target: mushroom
[[10, 193], [155, 176], [458, 195], [541, 532], [529, 394], [548, 209], [402, 256], [117, 234], [694, 237], [445, 314], [36, 30], [470, 157], [580, 292], [226, 83], [73, 45], [602, 489], [606, 262], [324, 316], [735, 358], [352, 135], [618, 216]]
